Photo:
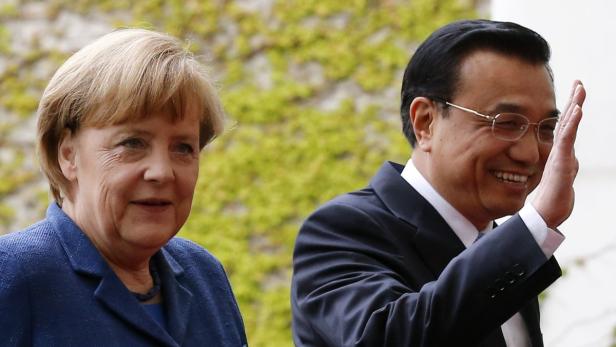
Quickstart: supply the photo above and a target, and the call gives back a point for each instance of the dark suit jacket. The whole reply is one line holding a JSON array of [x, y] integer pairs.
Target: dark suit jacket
[[380, 267], [56, 290]]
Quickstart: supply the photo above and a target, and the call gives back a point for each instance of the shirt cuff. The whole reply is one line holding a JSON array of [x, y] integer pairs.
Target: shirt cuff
[[547, 239]]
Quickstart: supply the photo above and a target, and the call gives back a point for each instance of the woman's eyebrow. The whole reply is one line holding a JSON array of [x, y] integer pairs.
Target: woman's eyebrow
[[186, 137], [132, 130]]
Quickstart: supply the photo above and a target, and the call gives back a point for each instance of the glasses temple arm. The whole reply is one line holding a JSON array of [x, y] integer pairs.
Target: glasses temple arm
[[469, 110]]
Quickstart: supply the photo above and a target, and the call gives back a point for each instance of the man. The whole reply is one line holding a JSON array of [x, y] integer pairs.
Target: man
[[400, 263]]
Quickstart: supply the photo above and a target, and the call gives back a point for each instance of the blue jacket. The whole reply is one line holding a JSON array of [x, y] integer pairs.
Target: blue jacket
[[56, 290], [381, 267]]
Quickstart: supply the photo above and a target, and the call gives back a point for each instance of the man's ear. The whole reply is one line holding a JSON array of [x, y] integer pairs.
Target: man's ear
[[423, 113], [67, 156]]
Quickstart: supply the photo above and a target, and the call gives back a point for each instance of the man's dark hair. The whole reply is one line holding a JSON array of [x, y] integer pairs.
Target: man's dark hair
[[433, 71]]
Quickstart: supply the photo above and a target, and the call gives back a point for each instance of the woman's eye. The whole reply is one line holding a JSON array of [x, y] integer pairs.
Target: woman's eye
[[133, 143], [185, 148]]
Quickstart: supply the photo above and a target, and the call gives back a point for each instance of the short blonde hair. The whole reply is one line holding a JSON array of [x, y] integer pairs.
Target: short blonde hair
[[123, 76]]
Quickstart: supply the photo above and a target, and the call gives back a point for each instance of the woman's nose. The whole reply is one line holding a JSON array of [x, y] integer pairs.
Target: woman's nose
[[159, 167]]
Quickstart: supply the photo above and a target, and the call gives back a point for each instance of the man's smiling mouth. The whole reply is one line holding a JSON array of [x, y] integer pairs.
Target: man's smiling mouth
[[510, 177]]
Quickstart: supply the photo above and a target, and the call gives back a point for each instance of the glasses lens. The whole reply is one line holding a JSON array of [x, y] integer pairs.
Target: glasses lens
[[546, 130], [509, 126]]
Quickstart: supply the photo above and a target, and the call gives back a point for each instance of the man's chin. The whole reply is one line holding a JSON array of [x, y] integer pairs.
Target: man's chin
[[504, 210]]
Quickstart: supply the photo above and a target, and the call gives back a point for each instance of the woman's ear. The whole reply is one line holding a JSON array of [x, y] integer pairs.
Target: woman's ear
[[67, 156], [423, 116]]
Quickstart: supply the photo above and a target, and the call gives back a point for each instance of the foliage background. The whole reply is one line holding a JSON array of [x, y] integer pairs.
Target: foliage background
[[311, 90]]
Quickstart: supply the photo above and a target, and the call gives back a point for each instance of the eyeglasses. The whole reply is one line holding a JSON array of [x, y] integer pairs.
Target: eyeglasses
[[512, 126]]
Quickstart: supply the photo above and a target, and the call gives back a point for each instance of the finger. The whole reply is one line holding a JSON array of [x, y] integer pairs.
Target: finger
[[568, 130], [578, 96], [577, 99], [572, 93]]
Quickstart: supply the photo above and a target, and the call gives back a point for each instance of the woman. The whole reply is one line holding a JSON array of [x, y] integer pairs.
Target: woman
[[120, 128]]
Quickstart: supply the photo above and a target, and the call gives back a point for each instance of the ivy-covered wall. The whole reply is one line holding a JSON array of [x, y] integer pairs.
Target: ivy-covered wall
[[311, 90]]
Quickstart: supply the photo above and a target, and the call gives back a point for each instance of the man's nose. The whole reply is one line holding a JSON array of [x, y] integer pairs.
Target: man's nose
[[526, 149], [159, 167]]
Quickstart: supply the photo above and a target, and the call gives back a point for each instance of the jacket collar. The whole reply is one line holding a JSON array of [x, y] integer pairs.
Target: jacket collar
[[85, 259], [434, 240], [81, 253]]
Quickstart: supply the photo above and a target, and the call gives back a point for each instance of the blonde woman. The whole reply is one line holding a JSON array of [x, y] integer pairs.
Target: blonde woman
[[120, 128]]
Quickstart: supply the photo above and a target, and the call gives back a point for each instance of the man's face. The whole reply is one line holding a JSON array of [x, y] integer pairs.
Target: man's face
[[471, 168]]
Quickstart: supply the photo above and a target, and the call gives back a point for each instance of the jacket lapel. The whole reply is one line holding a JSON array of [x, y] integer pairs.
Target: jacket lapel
[[494, 339], [434, 240], [530, 313], [85, 259], [116, 297], [177, 298]]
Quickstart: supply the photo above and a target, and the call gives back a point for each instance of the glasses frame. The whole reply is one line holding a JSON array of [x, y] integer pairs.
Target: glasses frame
[[492, 120]]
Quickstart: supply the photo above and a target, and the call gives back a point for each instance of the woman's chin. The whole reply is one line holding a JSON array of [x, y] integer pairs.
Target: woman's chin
[[149, 235]]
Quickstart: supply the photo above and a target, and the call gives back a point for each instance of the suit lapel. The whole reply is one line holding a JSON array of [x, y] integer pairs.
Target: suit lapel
[[494, 339], [177, 297], [116, 297], [85, 259], [530, 313], [434, 240]]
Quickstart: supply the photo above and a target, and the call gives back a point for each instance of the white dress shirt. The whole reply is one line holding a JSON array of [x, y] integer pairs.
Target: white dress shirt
[[514, 330]]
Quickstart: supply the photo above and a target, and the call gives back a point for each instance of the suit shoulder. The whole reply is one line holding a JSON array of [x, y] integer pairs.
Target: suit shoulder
[[363, 201], [354, 211], [189, 253], [205, 271], [24, 253], [350, 220], [34, 241]]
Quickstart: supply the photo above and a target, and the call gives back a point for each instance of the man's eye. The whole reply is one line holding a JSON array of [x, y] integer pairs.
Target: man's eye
[[512, 125], [548, 125], [547, 128], [133, 143]]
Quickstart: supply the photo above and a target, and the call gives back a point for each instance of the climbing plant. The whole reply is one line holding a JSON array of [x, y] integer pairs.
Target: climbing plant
[[310, 90]]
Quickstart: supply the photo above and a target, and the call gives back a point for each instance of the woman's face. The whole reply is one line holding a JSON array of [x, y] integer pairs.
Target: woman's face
[[132, 184]]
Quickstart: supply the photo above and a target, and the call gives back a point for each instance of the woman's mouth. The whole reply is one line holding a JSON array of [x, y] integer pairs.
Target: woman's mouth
[[152, 204]]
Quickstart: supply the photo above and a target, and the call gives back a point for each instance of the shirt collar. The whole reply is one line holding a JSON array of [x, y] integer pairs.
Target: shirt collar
[[462, 227]]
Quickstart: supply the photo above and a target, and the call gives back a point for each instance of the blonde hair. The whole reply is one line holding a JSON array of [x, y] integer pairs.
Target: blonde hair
[[124, 76]]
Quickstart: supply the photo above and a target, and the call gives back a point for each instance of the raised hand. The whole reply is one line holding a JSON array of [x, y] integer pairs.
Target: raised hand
[[555, 196]]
